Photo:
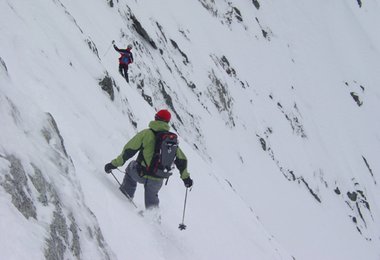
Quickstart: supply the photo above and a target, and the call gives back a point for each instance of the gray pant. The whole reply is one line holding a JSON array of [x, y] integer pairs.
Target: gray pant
[[151, 187]]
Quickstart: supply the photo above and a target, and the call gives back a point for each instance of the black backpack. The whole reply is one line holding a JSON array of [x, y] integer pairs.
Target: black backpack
[[165, 150]]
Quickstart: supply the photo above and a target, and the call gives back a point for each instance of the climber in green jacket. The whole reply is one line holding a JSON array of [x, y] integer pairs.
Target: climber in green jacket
[[141, 169]]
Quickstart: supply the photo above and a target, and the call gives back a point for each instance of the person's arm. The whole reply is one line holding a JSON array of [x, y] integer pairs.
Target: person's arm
[[129, 150], [181, 163], [116, 48]]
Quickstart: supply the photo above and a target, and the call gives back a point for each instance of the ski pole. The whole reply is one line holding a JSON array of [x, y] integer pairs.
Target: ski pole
[[129, 198], [116, 178], [182, 226], [109, 47]]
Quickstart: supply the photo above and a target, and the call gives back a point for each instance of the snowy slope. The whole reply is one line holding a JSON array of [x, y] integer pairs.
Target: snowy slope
[[276, 104]]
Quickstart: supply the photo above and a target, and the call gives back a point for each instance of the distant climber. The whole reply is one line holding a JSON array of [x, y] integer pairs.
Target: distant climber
[[125, 59], [158, 150]]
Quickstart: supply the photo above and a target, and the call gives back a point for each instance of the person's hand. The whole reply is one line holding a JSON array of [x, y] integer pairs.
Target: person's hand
[[113, 42], [109, 167], [188, 182]]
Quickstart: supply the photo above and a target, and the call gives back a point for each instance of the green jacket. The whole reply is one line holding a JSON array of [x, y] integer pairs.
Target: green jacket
[[144, 142]]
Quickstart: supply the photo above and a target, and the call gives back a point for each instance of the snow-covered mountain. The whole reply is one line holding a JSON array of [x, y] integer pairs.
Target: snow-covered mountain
[[276, 104]]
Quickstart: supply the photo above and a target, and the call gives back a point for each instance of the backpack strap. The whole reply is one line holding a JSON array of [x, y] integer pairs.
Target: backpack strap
[[140, 158], [150, 169]]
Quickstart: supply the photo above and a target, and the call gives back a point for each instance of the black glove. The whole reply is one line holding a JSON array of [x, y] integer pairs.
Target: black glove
[[113, 42], [188, 182], [109, 167]]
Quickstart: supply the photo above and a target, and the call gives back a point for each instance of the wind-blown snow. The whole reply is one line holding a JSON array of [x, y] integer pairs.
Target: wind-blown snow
[[276, 105]]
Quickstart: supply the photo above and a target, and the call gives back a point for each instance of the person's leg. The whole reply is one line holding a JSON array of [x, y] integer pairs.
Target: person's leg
[[121, 69], [126, 73], [130, 180], [152, 187], [128, 186]]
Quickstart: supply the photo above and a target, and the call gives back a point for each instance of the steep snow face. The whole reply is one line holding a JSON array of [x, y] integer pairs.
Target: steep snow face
[[276, 105], [43, 210]]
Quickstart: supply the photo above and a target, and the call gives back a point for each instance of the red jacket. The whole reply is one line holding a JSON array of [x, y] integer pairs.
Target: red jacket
[[126, 55]]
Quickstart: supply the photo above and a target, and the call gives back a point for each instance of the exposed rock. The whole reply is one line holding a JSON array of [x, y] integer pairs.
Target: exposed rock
[[16, 184], [75, 242], [232, 13], [162, 33], [262, 142], [225, 64], [15, 112], [59, 236], [265, 31], [175, 45], [352, 195], [293, 119], [369, 169], [238, 14], [143, 33], [218, 92], [51, 132], [41, 185], [92, 47], [209, 5], [147, 98], [3, 66], [310, 190], [107, 84], [190, 84], [226, 14], [168, 100], [355, 96], [110, 2], [256, 4]]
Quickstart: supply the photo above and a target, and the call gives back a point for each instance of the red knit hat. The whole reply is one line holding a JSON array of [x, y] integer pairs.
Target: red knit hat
[[163, 115]]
